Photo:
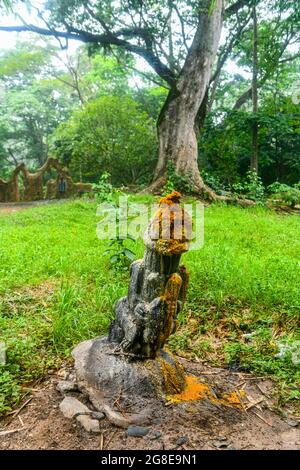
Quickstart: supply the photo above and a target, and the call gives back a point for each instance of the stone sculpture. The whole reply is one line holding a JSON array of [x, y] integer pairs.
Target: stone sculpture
[[9, 190], [33, 184], [147, 316], [132, 360]]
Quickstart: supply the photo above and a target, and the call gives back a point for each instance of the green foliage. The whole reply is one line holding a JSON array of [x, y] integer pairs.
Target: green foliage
[[260, 355], [9, 390], [103, 189], [120, 256], [226, 141], [214, 182], [110, 134], [176, 181], [252, 187], [286, 194]]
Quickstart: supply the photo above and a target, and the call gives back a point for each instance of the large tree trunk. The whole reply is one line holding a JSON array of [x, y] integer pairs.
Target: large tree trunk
[[177, 122]]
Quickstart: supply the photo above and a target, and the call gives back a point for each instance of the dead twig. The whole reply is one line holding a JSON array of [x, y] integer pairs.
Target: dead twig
[[252, 405], [117, 404], [11, 431], [262, 418], [110, 439], [209, 373], [261, 390], [101, 441], [241, 385], [16, 412], [21, 421]]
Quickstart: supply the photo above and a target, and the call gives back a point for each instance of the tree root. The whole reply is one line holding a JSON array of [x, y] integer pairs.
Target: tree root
[[113, 417], [203, 192]]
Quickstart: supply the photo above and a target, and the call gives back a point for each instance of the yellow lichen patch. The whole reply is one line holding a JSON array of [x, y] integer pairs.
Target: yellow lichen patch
[[196, 390], [170, 298], [173, 376], [233, 399], [185, 276]]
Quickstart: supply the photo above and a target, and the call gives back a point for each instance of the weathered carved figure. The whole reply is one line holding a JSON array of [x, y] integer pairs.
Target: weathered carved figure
[[147, 316], [132, 361]]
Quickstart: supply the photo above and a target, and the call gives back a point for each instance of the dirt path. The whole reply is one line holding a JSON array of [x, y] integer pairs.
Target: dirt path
[[11, 207], [190, 425]]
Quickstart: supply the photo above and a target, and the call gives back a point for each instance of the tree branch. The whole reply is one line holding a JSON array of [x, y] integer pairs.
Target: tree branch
[[235, 7], [105, 39], [222, 58]]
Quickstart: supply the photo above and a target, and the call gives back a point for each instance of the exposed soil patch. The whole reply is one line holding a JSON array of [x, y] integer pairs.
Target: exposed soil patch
[[190, 425]]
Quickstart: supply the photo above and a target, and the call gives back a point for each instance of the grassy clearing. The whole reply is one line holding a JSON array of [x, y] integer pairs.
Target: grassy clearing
[[56, 289]]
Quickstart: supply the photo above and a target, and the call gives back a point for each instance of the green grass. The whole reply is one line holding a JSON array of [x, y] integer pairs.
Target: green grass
[[57, 289]]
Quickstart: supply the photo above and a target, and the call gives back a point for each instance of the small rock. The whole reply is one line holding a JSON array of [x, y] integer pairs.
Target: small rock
[[155, 435], [137, 431], [221, 438], [63, 373], [71, 407], [293, 423], [220, 444], [156, 421], [89, 424], [64, 386], [181, 440]]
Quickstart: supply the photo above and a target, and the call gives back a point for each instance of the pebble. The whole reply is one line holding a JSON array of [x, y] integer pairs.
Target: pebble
[[293, 423], [156, 421], [181, 440], [64, 386], [221, 438], [220, 444], [70, 407], [137, 431], [155, 435]]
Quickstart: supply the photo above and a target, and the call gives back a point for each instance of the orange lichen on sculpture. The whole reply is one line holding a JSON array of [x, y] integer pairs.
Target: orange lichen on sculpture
[[173, 374], [185, 276], [170, 298], [196, 390], [171, 226]]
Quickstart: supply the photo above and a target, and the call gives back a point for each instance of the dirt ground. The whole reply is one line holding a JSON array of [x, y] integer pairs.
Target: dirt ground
[[39, 424], [11, 207]]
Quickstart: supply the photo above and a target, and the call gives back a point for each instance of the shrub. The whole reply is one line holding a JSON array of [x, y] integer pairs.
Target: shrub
[[286, 194]]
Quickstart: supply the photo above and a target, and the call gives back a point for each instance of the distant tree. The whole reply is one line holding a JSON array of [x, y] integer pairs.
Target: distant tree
[[31, 107], [109, 135]]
